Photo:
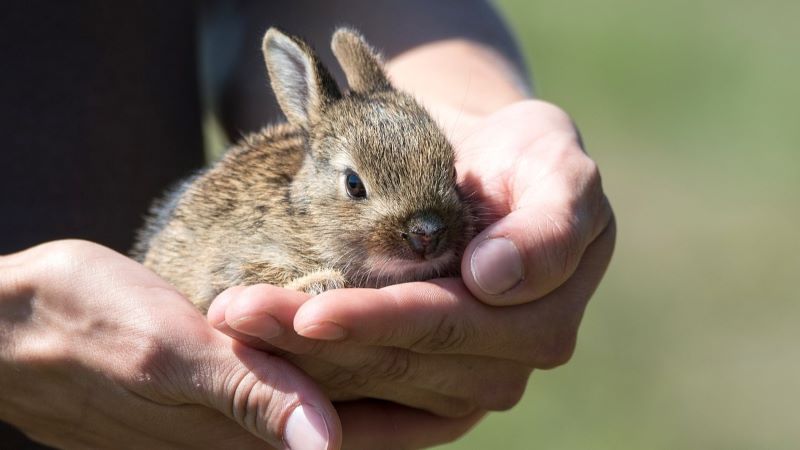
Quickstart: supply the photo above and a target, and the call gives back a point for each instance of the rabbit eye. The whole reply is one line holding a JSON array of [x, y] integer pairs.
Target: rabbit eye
[[355, 187]]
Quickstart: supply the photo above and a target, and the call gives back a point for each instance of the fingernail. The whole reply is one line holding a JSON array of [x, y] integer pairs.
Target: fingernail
[[496, 265], [262, 325], [326, 331], [306, 429]]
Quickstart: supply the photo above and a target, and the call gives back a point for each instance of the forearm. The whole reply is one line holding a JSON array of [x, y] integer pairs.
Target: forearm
[[459, 78], [447, 52]]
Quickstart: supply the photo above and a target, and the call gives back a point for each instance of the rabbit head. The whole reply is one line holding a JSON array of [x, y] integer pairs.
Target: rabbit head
[[378, 184]]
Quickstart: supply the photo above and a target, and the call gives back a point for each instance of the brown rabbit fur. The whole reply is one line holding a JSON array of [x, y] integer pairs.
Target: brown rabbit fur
[[357, 190]]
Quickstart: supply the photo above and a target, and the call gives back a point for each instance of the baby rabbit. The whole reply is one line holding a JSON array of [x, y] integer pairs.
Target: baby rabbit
[[356, 190]]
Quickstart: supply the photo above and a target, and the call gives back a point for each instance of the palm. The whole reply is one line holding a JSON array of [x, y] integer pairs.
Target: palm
[[508, 156], [436, 345]]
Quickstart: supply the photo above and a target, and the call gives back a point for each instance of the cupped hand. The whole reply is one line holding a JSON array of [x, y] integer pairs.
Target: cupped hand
[[98, 352], [458, 347], [539, 197]]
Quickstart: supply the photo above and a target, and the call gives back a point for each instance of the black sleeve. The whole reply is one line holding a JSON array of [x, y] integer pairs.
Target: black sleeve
[[247, 103], [99, 113]]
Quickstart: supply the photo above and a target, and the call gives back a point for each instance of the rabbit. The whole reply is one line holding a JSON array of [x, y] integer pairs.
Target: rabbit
[[355, 190]]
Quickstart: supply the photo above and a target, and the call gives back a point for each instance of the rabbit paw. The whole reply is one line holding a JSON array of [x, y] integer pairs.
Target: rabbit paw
[[318, 282]]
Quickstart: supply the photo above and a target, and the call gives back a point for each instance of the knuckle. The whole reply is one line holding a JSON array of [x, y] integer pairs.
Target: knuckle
[[255, 403], [592, 187], [592, 205], [245, 389], [566, 237], [311, 347], [506, 391], [444, 337], [591, 174], [340, 379], [64, 259], [555, 350], [393, 364], [455, 408], [543, 107], [60, 257]]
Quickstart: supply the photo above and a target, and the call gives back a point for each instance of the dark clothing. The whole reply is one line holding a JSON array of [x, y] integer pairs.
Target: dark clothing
[[99, 112], [100, 101]]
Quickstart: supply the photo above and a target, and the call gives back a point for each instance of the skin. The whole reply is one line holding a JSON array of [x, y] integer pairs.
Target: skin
[[96, 351], [132, 364], [445, 346]]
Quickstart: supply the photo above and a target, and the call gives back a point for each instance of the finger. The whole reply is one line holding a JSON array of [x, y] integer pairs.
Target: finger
[[370, 424], [440, 384], [261, 315], [264, 394], [538, 245], [354, 383], [216, 318], [441, 316], [446, 385]]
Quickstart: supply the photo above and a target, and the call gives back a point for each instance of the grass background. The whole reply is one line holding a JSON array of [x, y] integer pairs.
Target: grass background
[[693, 339]]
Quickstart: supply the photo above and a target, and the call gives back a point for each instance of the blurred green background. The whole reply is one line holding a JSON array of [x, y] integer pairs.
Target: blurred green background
[[693, 339]]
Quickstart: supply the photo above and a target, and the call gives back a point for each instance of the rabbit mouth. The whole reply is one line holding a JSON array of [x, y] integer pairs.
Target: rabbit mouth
[[387, 271]]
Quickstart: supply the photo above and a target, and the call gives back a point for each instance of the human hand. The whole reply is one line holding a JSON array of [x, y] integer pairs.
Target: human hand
[[264, 314], [548, 223], [98, 352], [434, 345]]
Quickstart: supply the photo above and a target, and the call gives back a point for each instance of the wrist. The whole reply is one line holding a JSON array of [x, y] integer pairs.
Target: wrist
[[16, 295]]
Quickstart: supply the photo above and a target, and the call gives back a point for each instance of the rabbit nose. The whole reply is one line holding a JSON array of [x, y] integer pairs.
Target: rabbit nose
[[424, 232]]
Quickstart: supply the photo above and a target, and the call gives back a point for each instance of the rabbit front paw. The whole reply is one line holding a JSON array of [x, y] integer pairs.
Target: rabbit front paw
[[318, 282]]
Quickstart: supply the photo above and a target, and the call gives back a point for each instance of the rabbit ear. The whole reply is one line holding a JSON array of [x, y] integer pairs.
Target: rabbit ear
[[301, 83], [361, 64]]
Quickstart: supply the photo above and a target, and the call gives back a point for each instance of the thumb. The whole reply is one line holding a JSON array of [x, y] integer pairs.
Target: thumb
[[268, 397], [530, 252]]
